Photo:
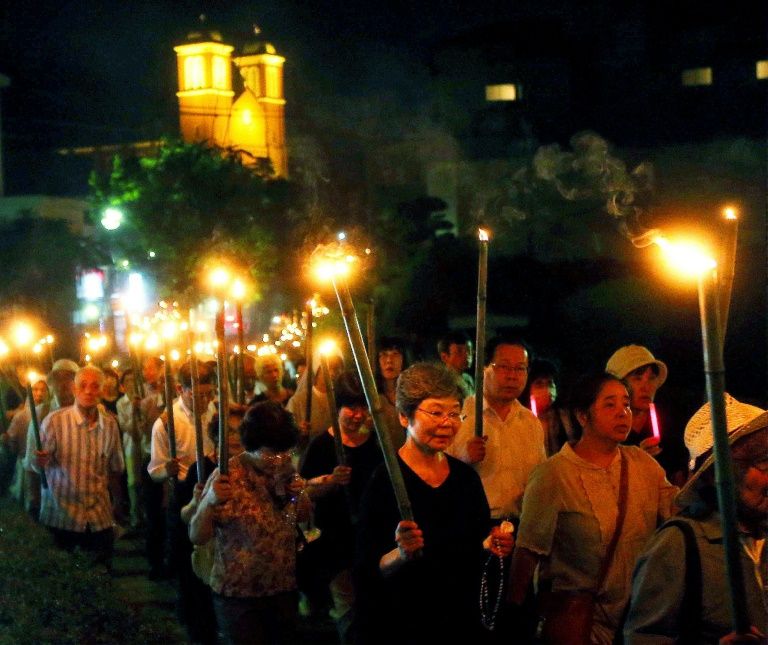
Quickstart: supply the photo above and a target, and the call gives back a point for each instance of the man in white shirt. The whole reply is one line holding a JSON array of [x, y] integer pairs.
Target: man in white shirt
[[161, 464], [512, 444], [83, 460]]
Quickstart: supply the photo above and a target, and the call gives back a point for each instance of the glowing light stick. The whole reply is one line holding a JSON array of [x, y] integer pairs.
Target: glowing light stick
[[534, 407], [655, 422], [482, 297]]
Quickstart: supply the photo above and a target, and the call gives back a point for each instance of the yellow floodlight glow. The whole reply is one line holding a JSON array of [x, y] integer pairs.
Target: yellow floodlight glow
[[687, 258], [22, 334]]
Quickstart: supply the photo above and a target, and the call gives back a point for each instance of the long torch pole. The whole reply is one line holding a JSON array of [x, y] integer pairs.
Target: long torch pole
[[727, 268], [221, 374], [36, 429], [338, 444], [241, 348], [370, 329], [724, 479], [363, 365], [482, 297], [196, 411], [309, 369], [170, 426]]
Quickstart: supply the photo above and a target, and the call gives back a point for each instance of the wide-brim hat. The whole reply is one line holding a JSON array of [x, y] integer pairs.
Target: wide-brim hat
[[628, 358], [742, 420]]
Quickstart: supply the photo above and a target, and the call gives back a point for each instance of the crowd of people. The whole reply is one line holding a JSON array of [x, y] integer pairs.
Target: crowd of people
[[563, 517]]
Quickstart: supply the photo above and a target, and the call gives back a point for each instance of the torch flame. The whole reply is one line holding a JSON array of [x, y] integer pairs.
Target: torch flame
[[327, 347], [729, 212], [688, 258], [482, 235]]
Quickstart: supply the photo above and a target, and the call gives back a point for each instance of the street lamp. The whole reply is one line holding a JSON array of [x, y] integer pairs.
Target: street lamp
[[111, 218]]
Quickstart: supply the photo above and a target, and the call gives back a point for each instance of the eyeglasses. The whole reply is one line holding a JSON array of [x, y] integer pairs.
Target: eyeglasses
[[510, 369], [439, 417], [275, 459]]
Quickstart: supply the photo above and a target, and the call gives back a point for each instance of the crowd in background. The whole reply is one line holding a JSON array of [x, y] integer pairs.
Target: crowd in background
[[578, 514]]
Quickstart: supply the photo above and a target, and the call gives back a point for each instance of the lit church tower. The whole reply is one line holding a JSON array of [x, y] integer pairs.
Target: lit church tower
[[205, 87], [258, 115]]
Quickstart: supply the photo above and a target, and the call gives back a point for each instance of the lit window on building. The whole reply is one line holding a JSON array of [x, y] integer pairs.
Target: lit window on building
[[194, 73], [220, 72], [761, 69], [272, 79], [503, 92], [697, 76]]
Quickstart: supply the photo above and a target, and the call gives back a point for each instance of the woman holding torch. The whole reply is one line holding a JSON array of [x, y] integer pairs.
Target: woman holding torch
[[252, 514], [418, 581]]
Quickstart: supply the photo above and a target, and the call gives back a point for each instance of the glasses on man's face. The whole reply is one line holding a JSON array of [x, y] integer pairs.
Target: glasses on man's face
[[503, 368], [438, 416]]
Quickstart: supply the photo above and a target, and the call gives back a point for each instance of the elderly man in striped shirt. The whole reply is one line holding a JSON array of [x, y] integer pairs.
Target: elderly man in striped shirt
[[82, 459]]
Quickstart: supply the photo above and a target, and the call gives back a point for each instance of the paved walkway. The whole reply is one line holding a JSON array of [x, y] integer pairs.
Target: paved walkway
[[157, 598]]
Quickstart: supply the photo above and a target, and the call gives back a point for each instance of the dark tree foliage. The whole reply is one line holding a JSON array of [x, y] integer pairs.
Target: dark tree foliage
[[189, 203]]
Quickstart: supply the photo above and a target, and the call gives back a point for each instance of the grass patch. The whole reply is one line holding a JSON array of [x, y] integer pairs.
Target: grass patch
[[50, 596]]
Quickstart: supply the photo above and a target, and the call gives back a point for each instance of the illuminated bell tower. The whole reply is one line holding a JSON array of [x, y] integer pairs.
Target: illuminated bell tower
[[258, 115], [205, 87]]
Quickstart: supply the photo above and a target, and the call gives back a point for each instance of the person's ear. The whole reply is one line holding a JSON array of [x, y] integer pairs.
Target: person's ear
[[403, 419], [581, 417]]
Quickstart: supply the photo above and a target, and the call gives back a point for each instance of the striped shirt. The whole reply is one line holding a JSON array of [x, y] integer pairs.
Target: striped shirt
[[82, 458]]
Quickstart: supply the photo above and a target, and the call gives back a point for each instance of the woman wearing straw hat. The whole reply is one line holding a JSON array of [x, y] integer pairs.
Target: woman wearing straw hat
[[679, 589]]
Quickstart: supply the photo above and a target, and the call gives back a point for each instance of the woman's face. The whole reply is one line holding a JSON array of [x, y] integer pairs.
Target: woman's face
[[390, 363], [434, 424], [352, 418], [544, 391], [609, 417], [642, 384], [275, 463]]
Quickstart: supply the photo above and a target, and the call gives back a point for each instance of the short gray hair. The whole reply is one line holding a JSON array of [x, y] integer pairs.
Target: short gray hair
[[423, 381], [89, 368]]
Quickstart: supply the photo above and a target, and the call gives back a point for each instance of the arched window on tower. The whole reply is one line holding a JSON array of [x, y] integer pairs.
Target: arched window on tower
[[220, 72], [194, 73]]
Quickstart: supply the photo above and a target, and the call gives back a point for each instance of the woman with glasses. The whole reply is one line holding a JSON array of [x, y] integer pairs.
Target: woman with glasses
[[252, 513], [419, 581], [326, 563]]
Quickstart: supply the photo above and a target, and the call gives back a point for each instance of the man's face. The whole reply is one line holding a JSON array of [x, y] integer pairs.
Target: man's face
[[153, 372], [270, 374], [206, 391], [458, 357], [64, 388], [88, 390], [127, 386], [508, 373], [39, 392]]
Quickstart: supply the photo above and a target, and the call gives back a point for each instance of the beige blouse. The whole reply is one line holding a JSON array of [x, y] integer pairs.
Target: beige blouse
[[569, 515]]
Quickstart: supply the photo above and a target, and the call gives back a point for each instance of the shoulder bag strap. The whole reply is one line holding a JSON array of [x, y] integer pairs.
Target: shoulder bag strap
[[691, 604], [623, 491]]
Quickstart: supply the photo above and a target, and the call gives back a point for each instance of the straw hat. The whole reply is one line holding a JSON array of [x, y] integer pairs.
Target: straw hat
[[628, 358], [742, 420]]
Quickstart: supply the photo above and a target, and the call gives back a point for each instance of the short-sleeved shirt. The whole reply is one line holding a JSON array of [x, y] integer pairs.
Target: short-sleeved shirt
[[255, 538], [82, 457], [569, 515]]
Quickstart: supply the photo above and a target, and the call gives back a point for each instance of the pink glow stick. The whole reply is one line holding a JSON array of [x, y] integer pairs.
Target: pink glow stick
[[655, 422]]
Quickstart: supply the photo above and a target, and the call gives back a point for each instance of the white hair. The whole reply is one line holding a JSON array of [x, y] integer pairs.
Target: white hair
[[93, 370]]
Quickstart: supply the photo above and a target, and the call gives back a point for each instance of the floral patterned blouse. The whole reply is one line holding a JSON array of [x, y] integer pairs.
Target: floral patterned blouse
[[255, 538]]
